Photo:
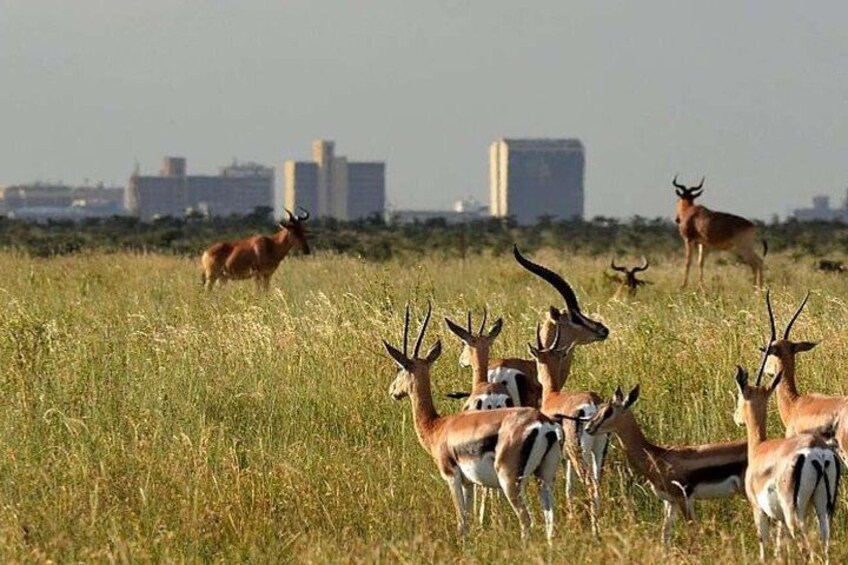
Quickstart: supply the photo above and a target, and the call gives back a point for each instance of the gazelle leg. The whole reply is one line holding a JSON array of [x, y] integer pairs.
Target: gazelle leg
[[547, 499], [702, 255], [688, 263], [459, 501], [762, 523], [820, 501], [482, 493], [669, 511], [512, 488]]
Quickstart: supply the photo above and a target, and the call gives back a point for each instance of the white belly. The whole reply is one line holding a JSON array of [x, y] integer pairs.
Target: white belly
[[769, 503], [724, 489], [507, 378], [481, 471]]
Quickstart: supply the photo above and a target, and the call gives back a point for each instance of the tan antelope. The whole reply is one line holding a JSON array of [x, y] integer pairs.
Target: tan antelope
[[493, 448], [678, 475], [256, 257], [784, 475], [628, 282], [698, 225], [576, 328], [801, 412], [484, 395], [584, 453]]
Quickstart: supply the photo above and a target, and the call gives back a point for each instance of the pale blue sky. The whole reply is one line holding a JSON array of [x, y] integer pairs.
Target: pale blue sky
[[754, 95]]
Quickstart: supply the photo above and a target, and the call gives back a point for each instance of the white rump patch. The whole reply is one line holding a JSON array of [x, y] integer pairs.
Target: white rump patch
[[487, 402], [506, 377]]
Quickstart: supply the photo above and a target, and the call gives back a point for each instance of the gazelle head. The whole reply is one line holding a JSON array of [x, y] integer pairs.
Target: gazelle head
[[295, 226], [611, 414], [574, 326], [781, 352], [414, 371], [686, 196], [549, 359], [475, 344], [752, 400], [629, 279]]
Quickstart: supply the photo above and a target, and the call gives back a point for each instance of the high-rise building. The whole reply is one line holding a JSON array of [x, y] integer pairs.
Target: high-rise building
[[332, 186], [239, 189], [530, 178]]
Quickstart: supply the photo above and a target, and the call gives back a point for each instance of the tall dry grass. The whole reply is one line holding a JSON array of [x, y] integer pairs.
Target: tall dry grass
[[144, 420]]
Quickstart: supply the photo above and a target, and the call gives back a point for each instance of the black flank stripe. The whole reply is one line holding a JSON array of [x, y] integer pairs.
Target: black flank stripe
[[510, 403], [713, 474], [796, 476], [478, 448], [526, 448], [522, 385]]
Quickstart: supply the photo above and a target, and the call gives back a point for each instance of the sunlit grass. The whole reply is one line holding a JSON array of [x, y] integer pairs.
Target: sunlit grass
[[147, 421]]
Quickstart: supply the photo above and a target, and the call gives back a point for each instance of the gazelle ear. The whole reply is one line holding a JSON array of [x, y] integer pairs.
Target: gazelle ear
[[803, 346], [632, 397], [398, 357], [741, 378], [618, 396], [775, 381], [496, 329], [458, 331], [554, 314], [434, 353]]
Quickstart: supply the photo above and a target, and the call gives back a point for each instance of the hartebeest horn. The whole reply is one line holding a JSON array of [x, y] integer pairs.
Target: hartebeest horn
[[643, 267], [795, 316], [615, 267], [420, 339], [700, 186], [679, 189], [303, 214], [551, 278], [290, 215]]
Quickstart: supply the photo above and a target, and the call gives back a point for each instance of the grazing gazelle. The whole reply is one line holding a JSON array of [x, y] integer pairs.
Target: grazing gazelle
[[678, 475], [629, 282], [493, 448], [584, 453], [484, 395], [801, 412], [784, 475], [576, 328], [714, 230], [256, 257]]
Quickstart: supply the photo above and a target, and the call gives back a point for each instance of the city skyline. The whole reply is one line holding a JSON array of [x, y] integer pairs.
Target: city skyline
[[749, 97]]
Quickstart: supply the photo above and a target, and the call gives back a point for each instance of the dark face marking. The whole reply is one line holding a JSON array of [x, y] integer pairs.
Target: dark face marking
[[714, 474], [476, 449]]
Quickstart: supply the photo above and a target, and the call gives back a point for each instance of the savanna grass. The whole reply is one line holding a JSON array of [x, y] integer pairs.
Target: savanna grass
[[147, 421]]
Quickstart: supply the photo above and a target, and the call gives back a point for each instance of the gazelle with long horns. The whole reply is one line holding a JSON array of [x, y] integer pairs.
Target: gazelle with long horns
[[493, 448], [628, 282], [575, 327], [584, 453], [802, 412], [256, 257], [678, 475], [698, 225], [784, 475]]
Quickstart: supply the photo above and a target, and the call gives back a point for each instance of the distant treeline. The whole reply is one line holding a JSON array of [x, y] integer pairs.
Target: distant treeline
[[374, 239]]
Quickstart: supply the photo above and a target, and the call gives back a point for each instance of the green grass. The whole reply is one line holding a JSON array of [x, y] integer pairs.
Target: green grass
[[144, 420]]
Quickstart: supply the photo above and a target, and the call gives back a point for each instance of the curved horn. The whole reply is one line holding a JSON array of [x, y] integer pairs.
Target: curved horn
[[539, 345], [483, 323], [291, 216], [643, 267], [557, 336], [700, 186], [773, 334], [421, 331], [551, 278], [795, 316], [677, 184], [615, 267], [303, 214], [762, 365], [406, 331], [469, 322]]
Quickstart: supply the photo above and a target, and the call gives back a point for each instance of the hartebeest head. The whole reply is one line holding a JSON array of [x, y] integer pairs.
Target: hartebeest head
[[413, 369], [781, 352], [475, 344], [575, 326], [629, 279], [294, 226], [686, 196]]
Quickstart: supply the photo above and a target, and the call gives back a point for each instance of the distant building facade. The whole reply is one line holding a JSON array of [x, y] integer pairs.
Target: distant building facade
[[821, 210], [332, 186], [238, 189], [530, 178], [465, 210], [41, 201]]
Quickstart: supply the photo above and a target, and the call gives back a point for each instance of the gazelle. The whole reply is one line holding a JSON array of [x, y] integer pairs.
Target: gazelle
[[678, 475], [256, 257], [698, 225], [801, 412], [784, 475], [629, 282], [493, 448], [576, 328], [484, 395], [584, 453]]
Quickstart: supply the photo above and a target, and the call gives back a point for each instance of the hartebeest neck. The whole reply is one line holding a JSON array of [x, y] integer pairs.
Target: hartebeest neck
[[640, 452], [787, 389], [284, 241], [424, 413]]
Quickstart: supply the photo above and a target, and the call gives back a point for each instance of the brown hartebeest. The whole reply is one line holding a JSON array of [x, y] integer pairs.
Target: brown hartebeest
[[256, 257], [802, 412], [678, 475], [576, 328], [714, 230], [784, 475], [628, 282], [494, 448]]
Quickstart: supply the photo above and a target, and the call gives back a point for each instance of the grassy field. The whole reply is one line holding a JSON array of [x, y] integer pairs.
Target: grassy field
[[146, 421]]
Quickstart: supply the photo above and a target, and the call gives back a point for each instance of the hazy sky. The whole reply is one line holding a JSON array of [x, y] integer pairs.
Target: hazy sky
[[753, 95]]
